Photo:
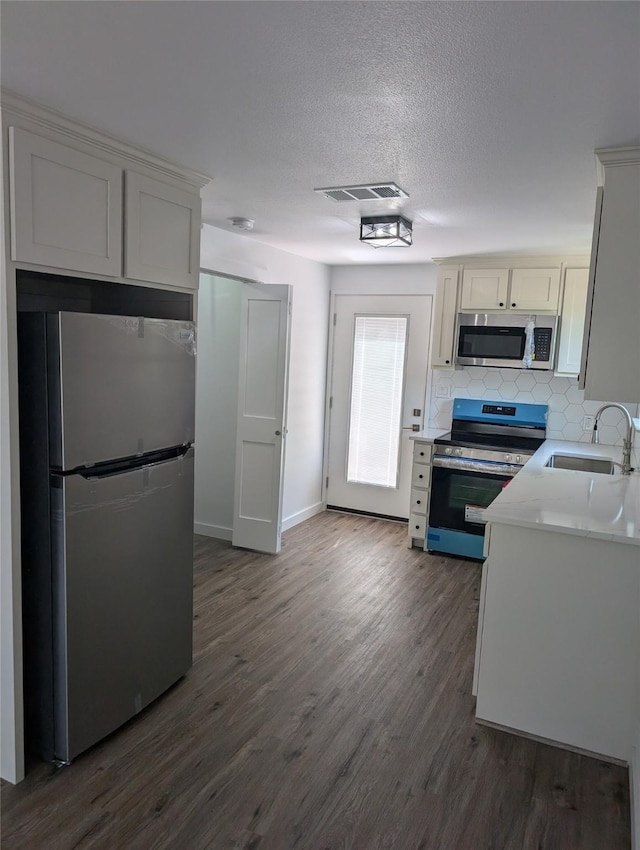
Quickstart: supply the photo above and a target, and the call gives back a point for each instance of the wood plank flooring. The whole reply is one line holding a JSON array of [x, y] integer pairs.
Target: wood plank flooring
[[328, 707]]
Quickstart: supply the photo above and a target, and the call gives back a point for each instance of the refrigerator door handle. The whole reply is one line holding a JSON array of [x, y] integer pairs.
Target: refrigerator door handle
[[118, 467]]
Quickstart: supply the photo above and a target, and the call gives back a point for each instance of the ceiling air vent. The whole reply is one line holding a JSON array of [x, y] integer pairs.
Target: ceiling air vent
[[367, 192]]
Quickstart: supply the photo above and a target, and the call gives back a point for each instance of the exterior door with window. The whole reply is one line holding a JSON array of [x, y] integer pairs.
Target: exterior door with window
[[378, 388]]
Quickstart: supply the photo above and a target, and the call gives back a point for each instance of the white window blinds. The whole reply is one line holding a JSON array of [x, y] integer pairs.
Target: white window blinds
[[377, 382]]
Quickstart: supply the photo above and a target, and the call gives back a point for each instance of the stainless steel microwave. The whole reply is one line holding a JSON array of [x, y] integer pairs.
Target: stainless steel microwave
[[498, 339]]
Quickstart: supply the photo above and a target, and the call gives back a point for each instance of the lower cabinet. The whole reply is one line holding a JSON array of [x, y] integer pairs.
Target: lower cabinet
[[559, 634], [420, 488], [483, 596]]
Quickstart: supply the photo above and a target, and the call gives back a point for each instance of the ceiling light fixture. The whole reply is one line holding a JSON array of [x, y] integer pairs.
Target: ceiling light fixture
[[386, 231]]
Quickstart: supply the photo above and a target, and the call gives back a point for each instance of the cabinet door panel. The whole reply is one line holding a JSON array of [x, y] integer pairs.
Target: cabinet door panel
[[614, 341], [572, 318], [444, 317], [484, 289], [162, 232], [534, 289], [66, 206]]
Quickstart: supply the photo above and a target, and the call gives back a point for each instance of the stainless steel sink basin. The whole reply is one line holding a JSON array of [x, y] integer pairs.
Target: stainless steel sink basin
[[581, 463]]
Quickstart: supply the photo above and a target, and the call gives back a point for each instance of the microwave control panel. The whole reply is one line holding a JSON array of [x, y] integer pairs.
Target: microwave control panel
[[542, 343]]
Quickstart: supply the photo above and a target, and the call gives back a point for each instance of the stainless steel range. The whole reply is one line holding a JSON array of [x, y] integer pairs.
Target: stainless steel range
[[489, 443]]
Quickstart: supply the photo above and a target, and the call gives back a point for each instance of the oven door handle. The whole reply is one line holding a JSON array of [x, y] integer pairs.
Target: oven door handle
[[486, 467]]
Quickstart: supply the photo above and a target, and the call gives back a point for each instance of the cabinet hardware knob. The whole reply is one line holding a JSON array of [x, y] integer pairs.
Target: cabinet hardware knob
[[278, 433], [514, 304], [446, 361], [501, 304]]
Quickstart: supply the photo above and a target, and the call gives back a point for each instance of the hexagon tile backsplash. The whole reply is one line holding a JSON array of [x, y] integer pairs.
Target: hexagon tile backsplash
[[567, 406]]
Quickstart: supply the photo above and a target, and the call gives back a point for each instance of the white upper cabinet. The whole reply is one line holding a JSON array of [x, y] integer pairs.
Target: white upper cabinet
[[484, 289], [536, 290], [444, 316], [611, 353], [66, 206], [574, 302], [529, 289], [84, 202], [162, 232]]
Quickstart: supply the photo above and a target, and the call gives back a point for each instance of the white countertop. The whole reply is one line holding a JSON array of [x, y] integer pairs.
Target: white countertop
[[429, 434], [587, 504]]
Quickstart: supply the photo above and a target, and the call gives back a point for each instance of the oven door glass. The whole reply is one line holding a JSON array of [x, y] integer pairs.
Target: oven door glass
[[458, 498], [491, 343]]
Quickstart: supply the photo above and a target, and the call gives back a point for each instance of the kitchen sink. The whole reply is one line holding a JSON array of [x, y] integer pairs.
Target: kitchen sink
[[581, 463]]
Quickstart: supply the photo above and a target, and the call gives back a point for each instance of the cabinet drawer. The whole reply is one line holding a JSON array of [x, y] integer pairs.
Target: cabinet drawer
[[422, 452], [421, 476], [417, 526], [419, 501]]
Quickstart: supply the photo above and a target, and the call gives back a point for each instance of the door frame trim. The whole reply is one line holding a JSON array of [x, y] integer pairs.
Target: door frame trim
[[329, 383]]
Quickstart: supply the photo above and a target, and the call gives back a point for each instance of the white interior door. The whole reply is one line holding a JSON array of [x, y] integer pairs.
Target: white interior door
[[264, 353], [378, 390]]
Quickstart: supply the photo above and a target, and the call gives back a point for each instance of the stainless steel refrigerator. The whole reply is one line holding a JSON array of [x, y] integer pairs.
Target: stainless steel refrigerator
[[107, 429]]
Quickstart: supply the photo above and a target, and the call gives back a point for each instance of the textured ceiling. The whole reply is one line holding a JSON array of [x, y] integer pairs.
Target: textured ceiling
[[486, 113]]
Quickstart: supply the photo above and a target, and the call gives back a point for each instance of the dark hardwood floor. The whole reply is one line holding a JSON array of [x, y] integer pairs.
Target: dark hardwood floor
[[328, 707]]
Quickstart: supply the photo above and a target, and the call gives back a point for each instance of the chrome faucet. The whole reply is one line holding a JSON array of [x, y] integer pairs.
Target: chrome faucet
[[627, 442]]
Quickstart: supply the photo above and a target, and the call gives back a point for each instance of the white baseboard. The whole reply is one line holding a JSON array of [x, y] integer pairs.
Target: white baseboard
[[300, 516], [634, 784], [218, 531], [221, 532]]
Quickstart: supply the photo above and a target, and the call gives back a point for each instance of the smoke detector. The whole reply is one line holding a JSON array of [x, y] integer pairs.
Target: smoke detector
[[385, 191], [242, 223]]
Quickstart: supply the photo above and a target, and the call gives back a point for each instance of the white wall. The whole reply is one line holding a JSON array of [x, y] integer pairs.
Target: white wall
[[385, 280], [218, 357], [239, 256]]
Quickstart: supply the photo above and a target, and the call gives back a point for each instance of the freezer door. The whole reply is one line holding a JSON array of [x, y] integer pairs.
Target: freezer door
[[122, 594], [118, 386]]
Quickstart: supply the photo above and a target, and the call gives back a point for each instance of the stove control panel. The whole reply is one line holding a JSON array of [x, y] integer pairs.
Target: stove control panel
[[477, 454]]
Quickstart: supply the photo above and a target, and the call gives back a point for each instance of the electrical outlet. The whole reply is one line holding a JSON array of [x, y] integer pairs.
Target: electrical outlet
[[443, 391], [587, 423]]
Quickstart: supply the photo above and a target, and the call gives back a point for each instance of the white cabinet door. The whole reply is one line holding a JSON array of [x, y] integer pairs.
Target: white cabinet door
[[534, 289], [261, 428], [613, 351], [574, 304], [444, 318], [162, 227], [484, 289], [66, 206]]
